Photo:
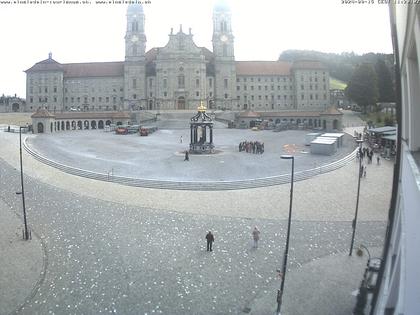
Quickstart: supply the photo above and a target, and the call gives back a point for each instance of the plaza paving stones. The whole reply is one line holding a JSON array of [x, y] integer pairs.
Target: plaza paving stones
[[22, 266], [125, 250], [111, 258]]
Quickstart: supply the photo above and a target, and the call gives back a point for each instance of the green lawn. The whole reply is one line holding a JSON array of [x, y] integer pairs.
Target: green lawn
[[336, 84]]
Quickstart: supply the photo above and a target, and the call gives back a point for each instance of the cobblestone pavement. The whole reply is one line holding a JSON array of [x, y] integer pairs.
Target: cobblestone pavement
[[21, 263], [124, 250], [327, 197], [105, 257]]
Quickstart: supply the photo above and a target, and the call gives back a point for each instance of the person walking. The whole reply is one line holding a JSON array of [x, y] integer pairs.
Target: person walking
[[180, 139], [210, 240], [187, 157], [378, 160], [256, 236]]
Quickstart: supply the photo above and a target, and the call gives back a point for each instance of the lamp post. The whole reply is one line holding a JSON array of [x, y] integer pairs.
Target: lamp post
[[22, 192], [354, 222], [286, 251]]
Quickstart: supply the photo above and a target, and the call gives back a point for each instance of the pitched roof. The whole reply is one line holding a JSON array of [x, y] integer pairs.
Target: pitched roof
[[308, 65], [263, 68], [151, 54], [331, 111], [46, 65], [94, 69], [42, 113]]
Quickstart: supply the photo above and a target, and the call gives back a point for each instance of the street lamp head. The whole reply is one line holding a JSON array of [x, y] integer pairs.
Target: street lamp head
[[287, 157]]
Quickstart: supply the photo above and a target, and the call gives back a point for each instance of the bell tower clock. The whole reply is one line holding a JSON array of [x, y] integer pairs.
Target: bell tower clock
[[135, 61], [224, 57]]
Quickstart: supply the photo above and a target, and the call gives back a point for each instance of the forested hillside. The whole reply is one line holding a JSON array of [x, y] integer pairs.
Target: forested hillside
[[341, 66]]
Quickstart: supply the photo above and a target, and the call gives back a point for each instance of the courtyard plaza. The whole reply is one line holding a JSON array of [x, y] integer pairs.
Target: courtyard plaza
[[99, 247], [158, 155]]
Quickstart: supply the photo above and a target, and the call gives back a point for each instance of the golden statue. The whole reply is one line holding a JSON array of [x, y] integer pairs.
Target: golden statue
[[202, 108]]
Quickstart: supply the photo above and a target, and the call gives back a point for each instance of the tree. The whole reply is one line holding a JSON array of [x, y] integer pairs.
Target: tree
[[385, 85], [363, 87]]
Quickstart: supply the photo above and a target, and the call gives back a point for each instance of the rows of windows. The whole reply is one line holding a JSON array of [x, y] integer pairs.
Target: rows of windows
[[313, 96], [43, 89], [272, 105], [43, 99], [266, 97], [92, 99], [85, 89], [266, 87], [265, 79]]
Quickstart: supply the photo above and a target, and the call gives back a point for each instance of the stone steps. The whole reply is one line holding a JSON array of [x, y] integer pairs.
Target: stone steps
[[194, 185]]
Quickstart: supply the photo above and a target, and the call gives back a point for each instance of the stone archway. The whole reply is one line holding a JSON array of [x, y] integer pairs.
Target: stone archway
[[40, 127], [79, 125], [93, 124], [101, 124], [62, 125], [67, 125], [73, 125], [86, 125], [108, 122], [180, 103], [15, 107]]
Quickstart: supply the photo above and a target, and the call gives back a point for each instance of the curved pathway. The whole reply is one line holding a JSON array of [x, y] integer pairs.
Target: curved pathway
[[130, 250], [193, 185]]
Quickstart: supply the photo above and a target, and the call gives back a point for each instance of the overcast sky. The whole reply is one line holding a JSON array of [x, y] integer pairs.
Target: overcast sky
[[262, 30]]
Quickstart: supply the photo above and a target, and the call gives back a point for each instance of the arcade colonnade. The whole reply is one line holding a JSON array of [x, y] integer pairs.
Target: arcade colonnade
[[46, 122]]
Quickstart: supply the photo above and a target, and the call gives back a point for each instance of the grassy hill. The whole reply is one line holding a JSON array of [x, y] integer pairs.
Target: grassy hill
[[336, 84]]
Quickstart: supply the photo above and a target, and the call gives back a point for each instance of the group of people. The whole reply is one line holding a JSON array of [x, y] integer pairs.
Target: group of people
[[210, 239], [365, 152], [368, 154], [255, 147]]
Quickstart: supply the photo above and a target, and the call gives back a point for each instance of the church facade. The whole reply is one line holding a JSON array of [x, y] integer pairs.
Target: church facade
[[178, 76]]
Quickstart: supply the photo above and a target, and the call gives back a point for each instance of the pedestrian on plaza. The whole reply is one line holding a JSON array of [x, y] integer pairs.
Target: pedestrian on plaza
[[180, 139], [187, 157], [364, 171], [256, 236], [378, 160], [210, 240]]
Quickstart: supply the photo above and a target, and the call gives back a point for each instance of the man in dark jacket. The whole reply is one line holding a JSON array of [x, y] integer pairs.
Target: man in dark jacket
[[210, 240]]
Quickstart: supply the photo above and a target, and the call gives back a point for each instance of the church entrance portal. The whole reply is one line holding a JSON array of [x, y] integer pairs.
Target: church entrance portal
[[15, 107], [181, 102]]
